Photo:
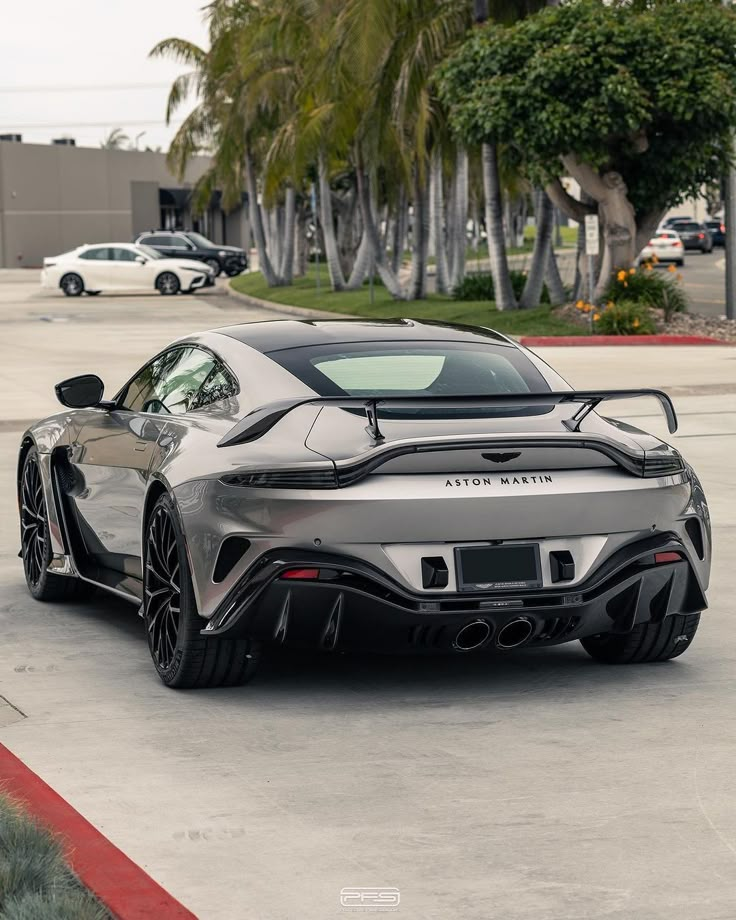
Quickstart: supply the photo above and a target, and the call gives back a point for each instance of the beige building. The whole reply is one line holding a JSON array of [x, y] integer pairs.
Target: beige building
[[56, 197]]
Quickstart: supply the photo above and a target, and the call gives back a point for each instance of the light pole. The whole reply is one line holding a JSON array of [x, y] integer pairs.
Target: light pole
[[730, 244]]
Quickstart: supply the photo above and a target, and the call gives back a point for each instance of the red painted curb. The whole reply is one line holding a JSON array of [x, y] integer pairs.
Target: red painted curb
[[124, 888], [532, 340]]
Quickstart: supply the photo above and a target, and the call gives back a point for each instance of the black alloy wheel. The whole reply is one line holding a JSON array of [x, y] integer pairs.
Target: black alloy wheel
[[72, 285], [36, 550], [163, 589], [167, 283], [34, 532], [182, 656]]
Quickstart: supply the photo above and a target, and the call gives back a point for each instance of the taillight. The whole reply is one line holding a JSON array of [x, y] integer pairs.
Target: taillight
[[662, 558], [701, 236], [723, 228], [284, 479], [301, 574]]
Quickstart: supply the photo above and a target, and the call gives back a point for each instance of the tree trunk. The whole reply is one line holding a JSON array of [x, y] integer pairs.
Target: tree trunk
[[437, 225], [256, 223], [389, 278], [287, 271], [544, 215], [557, 292], [332, 253], [459, 217], [362, 264], [419, 238], [504, 293], [617, 216], [399, 241]]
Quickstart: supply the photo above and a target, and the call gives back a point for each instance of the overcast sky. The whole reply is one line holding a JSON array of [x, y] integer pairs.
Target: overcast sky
[[80, 48]]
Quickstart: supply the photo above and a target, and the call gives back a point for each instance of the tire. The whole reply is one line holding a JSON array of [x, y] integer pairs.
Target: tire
[[183, 658], [167, 284], [72, 284], [680, 263], [646, 642], [35, 543], [214, 265], [233, 272], [92, 293]]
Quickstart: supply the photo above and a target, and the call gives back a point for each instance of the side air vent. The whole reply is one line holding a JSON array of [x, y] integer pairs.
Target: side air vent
[[231, 552], [695, 532]]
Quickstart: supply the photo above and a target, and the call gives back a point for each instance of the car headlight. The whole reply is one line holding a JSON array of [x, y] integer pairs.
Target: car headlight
[[222, 253]]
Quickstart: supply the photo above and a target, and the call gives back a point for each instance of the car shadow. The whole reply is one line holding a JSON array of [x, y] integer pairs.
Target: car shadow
[[353, 679]]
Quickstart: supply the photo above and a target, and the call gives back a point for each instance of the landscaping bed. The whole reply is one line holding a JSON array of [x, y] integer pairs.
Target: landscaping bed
[[630, 315], [35, 882]]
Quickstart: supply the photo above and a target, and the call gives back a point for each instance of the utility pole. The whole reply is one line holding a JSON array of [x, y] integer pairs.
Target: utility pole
[[730, 221], [730, 245]]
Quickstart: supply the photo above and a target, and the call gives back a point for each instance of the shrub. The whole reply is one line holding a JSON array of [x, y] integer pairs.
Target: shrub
[[480, 286], [627, 317], [650, 288]]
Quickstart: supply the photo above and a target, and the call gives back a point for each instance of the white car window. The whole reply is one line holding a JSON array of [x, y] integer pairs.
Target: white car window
[[99, 253]]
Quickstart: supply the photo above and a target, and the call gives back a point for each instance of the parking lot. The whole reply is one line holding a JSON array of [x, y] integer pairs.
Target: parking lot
[[521, 786]]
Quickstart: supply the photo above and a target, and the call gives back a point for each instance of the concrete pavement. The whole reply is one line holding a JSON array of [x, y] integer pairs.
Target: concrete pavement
[[529, 786]]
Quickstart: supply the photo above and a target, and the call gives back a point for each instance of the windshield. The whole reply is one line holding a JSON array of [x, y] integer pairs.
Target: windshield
[[151, 253], [201, 241], [416, 369]]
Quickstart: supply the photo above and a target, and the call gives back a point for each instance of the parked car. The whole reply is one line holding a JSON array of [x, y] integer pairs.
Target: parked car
[[694, 236], [666, 245], [398, 486], [717, 230], [228, 259], [122, 267], [672, 221]]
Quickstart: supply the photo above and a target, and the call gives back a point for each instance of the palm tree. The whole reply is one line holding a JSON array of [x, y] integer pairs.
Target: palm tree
[[117, 139]]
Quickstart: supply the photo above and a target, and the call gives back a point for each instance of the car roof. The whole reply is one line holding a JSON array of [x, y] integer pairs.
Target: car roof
[[274, 335]]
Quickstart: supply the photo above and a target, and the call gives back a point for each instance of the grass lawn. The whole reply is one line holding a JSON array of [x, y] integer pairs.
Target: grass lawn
[[304, 293]]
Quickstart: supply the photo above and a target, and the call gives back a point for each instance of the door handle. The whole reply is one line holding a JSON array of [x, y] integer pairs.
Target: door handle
[[141, 445]]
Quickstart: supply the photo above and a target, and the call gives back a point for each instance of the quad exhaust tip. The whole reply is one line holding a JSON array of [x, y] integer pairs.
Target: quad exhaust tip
[[472, 635], [514, 633]]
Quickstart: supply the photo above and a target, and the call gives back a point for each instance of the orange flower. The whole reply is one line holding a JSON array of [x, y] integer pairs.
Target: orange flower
[[621, 275], [632, 271], [596, 317], [635, 323], [671, 269], [610, 305], [580, 304], [626, 283], [655, 259], [679, 277]]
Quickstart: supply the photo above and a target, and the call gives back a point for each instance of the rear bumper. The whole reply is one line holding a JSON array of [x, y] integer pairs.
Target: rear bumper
[[354, 606]]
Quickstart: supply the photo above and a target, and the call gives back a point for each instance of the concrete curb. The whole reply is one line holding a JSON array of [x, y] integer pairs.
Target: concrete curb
[[123, 887], [577, 340], [274, 307]]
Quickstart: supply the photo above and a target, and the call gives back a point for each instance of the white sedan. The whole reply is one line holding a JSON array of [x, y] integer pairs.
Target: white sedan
[[122, 267], [666, 245]]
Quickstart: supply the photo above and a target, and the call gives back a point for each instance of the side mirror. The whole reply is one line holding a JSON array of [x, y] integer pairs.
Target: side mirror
[[141, 260], [80, 392]]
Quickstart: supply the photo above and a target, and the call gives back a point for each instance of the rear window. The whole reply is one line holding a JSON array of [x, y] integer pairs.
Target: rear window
[[416, 369], [690, 225]]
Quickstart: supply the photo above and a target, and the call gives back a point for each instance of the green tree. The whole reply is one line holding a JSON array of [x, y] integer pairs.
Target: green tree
[[635, 101]]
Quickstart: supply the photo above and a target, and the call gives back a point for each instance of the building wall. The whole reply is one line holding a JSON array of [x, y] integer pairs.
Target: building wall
[[54, 198]]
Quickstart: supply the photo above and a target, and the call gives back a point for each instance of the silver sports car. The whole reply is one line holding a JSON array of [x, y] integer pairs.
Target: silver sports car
[[400, 486]]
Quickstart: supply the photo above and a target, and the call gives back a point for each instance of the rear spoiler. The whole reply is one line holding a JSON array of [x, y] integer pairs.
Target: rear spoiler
[[261, 420]]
